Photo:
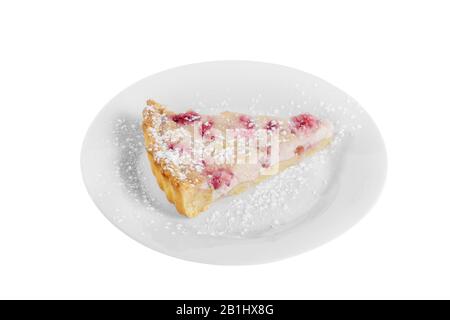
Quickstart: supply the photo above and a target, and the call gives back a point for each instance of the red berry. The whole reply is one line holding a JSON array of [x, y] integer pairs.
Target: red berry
[[305, 121], [171, 146], [186, 118], [272, 125], [299, 150], [216, 182], [247, 121], [205, 127], [220, 177], [265, 163]]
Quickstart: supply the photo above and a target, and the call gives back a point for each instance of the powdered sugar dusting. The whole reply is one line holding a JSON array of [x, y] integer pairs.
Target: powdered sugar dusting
[[166, 145]]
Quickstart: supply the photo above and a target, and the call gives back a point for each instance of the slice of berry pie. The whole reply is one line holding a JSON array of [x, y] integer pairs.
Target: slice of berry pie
[[199, 158]]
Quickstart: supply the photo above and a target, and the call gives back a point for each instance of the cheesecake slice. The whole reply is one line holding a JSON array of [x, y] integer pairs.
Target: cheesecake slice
[[198, 158]]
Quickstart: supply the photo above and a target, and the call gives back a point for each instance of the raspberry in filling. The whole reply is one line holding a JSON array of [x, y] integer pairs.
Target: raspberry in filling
[[186, 118], [299, 150], [171, 146], [272, 125], [205, 127], [220, 177], [265, 163], [247, 122], [305, 122], [177, 146]]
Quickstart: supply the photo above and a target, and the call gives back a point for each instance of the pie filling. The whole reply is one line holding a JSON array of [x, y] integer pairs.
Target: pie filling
[[221, 151]]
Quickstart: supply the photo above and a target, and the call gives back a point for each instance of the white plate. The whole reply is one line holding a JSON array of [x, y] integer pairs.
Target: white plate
[[298, 210]]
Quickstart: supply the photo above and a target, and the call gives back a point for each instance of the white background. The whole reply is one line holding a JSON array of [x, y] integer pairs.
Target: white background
[[61, 61]]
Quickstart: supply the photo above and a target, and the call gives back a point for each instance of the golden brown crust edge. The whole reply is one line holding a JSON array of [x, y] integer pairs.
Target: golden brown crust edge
[[188, 200]]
